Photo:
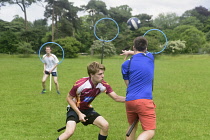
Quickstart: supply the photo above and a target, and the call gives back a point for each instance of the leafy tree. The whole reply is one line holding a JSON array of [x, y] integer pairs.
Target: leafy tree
[[208, 36], [70, 45], [64, 28], [206, 25], [166, 21], [201, 13], [206, 48], [121, 13], [47, 37], [4, 26], [170, 34], [62, 12], [41, 24], [194, 38], [180, 29], [96, 6], [18, 24], [8, 42], [32, 36], [85, 35], [192, 21], [96, 9], [189, 13], [96, 48]]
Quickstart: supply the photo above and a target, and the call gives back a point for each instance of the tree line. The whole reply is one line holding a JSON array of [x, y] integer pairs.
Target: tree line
[[188, 33]]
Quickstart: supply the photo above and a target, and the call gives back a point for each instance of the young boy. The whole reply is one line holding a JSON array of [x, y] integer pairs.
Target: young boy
[[80, 97]]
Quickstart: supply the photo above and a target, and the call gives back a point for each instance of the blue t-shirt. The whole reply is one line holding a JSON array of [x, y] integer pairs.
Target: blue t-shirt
[[139, 70]]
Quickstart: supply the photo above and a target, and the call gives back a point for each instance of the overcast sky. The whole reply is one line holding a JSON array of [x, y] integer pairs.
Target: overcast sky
[[150, 7]]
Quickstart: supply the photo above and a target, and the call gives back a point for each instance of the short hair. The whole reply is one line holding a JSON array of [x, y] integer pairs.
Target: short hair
[[140, 43], [94, 67], [48, 47]]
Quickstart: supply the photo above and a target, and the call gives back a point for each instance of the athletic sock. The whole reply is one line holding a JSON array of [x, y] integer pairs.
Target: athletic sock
[[100, 137], [57, 139]]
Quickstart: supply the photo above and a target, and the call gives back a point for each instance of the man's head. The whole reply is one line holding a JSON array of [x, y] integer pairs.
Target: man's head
[[140, 44], [96, 72], [48, 49]]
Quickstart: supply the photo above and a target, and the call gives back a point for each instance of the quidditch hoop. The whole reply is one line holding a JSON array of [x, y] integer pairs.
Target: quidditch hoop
[[118, 30], [166, 44], [51, 43]]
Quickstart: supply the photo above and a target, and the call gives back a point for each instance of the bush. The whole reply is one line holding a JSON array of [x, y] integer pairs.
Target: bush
[[96, 48], [175, 47], [25, 49], [70, 45]]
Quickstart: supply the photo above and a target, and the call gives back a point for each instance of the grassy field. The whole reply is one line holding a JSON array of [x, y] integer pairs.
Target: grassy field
[[181, 93]]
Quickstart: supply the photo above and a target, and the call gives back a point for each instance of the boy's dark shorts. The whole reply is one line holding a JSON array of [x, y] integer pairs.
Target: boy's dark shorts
[[90, 113], [53, 73]]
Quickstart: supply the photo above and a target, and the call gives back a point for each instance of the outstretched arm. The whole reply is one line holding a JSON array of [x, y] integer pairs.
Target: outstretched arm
[[116, 97], [126, 53]]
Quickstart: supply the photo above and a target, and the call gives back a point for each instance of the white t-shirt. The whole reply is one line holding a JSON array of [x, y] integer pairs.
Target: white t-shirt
[[50, 62]]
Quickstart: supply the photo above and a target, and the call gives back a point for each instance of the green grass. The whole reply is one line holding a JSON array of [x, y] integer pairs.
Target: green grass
[[181, 93]]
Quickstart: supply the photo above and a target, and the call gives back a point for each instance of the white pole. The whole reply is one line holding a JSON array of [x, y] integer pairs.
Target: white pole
[[50, 81]]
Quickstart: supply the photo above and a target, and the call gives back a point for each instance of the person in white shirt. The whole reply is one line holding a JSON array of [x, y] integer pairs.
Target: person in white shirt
[[50, 67]]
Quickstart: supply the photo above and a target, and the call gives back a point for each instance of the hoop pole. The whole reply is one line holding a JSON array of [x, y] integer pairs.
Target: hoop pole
[[50, 81], [102, 52]]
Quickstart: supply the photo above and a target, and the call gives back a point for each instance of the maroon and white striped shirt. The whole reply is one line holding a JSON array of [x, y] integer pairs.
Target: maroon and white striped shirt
[[85, 92]]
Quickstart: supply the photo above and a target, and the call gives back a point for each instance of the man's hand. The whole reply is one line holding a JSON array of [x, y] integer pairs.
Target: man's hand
[[82, 117], [126, 53]]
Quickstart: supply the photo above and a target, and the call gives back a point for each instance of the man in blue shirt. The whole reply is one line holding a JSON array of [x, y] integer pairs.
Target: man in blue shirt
[[138, 74]]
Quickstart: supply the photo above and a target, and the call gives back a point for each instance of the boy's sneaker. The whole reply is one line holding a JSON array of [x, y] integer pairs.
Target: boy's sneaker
[[58, 92], [43, 91]]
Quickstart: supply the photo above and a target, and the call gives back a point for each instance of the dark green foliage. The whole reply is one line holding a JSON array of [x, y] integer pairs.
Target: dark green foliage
[[121, 13], [33, 37], [70, 45], [8, 42], [194, 38], [208, 36], [25, 49]]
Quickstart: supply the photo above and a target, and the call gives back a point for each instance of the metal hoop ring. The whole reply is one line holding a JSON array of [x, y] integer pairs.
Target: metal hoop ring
[[166, 44], [118, 30], [52, 43]]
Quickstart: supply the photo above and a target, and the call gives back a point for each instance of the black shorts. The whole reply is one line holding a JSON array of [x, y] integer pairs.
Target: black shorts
[[90, 113], [53, 73]]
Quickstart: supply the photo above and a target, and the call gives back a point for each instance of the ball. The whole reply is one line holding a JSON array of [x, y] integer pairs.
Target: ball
[[133, 23]]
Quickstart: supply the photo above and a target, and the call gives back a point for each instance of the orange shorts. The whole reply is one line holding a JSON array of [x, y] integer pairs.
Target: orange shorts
[[144, 109]]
